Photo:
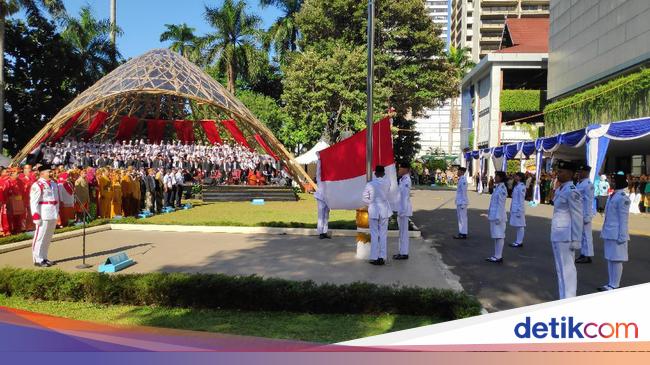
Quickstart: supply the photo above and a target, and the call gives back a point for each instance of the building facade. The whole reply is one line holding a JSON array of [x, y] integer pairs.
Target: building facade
[[505, 88], [478, 24], [438, 10]]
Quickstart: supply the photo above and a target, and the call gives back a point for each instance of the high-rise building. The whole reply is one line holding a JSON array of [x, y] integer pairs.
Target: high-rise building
[[438, 132], [478, 24], [438, 10]]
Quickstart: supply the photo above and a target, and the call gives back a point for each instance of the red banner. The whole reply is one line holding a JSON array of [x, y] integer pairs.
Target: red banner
[[211, 131], [156, 130], [236, 133], [126, 128], [66, 127], [44, 138], [184, 130], [97, 122], [265, 146]]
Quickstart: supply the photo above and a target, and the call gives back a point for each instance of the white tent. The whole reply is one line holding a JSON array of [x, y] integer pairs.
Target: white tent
[[311, 156]]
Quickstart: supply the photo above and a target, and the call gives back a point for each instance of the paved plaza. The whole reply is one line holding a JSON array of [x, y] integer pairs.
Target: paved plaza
[[527, 275]]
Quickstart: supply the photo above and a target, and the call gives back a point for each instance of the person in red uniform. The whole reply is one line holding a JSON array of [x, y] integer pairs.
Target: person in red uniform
[[4, 187], [15, 203], [28, 177]]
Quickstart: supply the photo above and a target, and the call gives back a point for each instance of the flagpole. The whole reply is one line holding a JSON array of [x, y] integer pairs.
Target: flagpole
[[369, 87]]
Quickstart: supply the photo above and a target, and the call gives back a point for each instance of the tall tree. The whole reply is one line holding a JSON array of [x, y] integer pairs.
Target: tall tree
[[90, 39], [234, 42], [411, 72], [284, 33], [182, 40], [42, 77], [7, 8]]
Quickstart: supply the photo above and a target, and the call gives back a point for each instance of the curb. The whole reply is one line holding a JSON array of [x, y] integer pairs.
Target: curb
[[57, 237], [244, 230]]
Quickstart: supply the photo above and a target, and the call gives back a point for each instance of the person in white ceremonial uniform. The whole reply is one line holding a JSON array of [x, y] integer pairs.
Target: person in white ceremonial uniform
[[462, 201], [518, 209], [323, 209], [379, 211], [497, 216], [615, 232], [44, 204], [566, 229], [404, 211], [586, 189]]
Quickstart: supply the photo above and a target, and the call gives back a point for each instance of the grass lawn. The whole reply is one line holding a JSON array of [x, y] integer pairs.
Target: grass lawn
[[322, 328], [300, 214], [24, 236]]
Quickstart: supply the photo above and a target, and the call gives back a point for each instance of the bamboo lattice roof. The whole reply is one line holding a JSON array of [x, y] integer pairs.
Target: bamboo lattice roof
[[159, 84]]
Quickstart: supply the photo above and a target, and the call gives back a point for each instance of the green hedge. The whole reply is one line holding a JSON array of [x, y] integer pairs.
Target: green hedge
[[629, 98], [250, 293], [520, 100]]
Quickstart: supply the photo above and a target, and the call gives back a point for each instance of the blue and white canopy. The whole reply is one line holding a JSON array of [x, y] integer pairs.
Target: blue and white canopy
[[591, 144]]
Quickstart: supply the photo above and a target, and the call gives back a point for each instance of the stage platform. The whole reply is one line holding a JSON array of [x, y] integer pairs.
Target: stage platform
[[237, 193]]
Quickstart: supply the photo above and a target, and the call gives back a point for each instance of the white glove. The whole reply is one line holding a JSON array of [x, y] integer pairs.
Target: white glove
[[38, 222]]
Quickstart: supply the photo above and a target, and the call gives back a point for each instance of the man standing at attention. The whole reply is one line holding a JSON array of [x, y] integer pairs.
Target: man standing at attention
[[615, 232], [379, 211], [404, 211], [566, 229], [497, 216], [44, 201], [586, 189], [323, 209], [461, 204], [518, 209]]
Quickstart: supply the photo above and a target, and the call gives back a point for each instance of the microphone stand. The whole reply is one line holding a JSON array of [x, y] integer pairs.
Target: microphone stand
[[86, 215]]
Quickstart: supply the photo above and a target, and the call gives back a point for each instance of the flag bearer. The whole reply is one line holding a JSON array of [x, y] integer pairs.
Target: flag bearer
[[404, 211], [518, 209], [615, 232], [379, 211], [497, 216], [462, 201], [586, 189]]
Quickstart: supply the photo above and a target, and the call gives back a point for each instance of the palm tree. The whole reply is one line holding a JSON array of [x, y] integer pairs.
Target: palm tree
[[233, 44], [8, 8], [90, 38], [284, 33], [182, 40]]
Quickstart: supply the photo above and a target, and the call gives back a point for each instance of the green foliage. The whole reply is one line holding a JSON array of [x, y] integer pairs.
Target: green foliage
[[267, 111], [325, 85], [249, 293], [284, 33], [407, 142], [623, 98], [183, 41], [436, 164], [513, 167], [520, 100]]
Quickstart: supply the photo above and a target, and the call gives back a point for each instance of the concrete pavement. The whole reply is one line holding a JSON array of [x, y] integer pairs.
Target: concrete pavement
[[527, 275], [288, 257]]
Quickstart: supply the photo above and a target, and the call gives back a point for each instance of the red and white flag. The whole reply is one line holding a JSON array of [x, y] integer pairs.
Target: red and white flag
[[343, 167]]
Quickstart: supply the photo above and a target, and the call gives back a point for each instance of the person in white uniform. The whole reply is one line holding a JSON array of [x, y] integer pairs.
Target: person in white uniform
[[615, 232], [566, 229], [497, 216], [44, 203], [462, 201], [404, 211], [375, 195], [518, 209], [586, 189], [323, 209]]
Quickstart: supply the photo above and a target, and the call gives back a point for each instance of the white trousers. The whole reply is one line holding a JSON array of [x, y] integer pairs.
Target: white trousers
[[615, 272], [42, 238], [520, 235], [587, 245], [378, 233], [403, 224], [567, 275], [498, 247], [323, 217], [461, 212]]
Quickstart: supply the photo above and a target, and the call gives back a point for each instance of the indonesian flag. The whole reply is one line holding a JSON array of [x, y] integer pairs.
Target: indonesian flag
[[343, 168]]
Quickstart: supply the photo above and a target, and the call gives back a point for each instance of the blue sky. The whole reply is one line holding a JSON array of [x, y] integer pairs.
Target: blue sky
[[142, 21]]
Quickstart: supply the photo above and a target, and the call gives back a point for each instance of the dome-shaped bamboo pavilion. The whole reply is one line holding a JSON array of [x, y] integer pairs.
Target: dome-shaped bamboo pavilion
[[162, 92]]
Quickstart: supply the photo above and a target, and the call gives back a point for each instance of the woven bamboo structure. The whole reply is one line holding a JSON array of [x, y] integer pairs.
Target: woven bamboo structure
[[159, 84]]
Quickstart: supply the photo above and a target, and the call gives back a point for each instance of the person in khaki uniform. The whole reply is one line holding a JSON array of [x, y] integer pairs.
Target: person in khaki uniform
[[126, 183], [116, 204], [105, 194], [136, 194], [82, 191]]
